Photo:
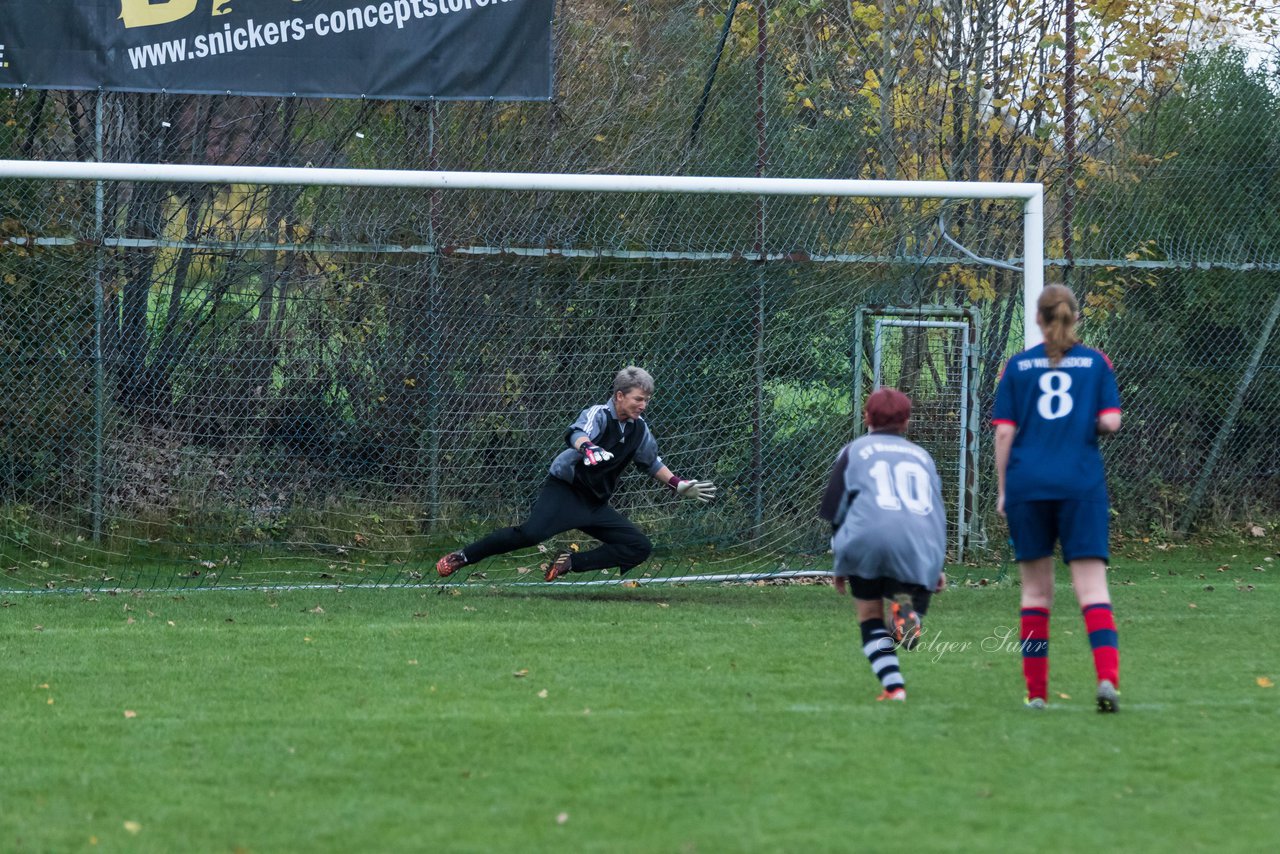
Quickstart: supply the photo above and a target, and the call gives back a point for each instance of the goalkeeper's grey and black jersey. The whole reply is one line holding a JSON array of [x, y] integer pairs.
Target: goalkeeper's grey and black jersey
[[628, 441], [885, 501]]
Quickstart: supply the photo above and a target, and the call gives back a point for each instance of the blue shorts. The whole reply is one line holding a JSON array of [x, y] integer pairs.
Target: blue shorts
[[1082, 527]]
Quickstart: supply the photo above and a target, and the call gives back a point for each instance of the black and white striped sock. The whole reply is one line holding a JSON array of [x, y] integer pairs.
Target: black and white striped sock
[[877, 646]]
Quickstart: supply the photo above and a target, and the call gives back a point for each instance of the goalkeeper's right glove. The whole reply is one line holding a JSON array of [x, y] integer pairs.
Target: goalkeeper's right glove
[[593, 454], [702, 490]]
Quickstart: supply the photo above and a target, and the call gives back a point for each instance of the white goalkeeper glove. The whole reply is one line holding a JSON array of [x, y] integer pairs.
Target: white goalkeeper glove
[[593, 454], [701, 490]]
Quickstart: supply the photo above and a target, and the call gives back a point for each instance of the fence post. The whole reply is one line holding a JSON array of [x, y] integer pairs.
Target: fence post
[[99, 320], [758, 275], [435, 374]]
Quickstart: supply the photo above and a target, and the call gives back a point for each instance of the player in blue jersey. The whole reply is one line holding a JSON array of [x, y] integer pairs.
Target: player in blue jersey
[[889, 528], [602, 442], [1053, 402]]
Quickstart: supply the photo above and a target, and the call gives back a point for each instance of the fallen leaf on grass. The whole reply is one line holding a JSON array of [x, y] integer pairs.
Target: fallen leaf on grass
[[1064, 696], [413, 661], [562, 818], [133, 827], [542, 693], [316, 610], [1258, 531], [524, 671], [130, 713], [1191, 604], [1264, 682]]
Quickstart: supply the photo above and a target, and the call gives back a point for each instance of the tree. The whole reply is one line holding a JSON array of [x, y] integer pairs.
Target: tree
[[1192, 176]]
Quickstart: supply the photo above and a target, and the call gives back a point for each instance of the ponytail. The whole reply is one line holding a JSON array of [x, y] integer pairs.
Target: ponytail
[[1057, 308]]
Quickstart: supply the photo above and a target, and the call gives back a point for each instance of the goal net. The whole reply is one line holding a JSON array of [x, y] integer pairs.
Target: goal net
[[224, 376]]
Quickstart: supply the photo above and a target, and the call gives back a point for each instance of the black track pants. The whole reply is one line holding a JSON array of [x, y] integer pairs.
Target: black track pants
[[558, 509]]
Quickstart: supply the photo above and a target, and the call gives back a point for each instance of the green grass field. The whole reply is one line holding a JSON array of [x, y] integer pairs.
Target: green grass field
[[657, 719]]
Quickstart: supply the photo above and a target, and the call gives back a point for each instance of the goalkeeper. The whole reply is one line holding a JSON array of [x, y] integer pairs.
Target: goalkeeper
[[602, 442]]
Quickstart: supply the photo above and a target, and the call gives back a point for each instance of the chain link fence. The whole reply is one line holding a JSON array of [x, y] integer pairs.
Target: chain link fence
[[200, 381]]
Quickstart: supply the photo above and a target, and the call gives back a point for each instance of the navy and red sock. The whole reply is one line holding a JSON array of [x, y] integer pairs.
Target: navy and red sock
[[1100, 623], [1034, 634]]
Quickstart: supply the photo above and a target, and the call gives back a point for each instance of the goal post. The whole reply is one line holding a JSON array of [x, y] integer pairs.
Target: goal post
[[338, 373]]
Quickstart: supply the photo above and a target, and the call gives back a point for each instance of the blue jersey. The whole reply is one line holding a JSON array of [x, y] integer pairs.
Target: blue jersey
[[1055, 409]]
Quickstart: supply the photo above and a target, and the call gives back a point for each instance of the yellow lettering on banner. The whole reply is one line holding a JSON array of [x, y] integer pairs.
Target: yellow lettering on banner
[[219, 7], [142, 13]]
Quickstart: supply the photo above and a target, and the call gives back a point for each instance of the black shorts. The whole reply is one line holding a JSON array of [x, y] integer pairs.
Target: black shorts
[[871, 589]]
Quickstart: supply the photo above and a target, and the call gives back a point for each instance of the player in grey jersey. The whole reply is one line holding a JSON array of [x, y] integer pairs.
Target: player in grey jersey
[[889, 528]]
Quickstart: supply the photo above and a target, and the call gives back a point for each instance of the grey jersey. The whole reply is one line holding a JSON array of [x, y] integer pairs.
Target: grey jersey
[[885, 501], [630, 442]]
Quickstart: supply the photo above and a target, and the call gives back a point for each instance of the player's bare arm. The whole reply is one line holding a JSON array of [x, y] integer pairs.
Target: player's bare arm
[[1004, 442]]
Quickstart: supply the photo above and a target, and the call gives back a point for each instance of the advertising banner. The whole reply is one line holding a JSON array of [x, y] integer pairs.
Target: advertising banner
[[409, 49]]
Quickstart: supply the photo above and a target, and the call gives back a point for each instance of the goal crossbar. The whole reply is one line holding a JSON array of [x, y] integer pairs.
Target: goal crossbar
[[1030, 194]]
